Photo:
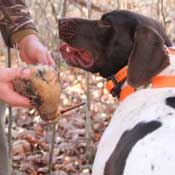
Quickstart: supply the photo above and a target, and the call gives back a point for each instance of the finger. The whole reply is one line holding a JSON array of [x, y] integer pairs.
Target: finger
[[24, 73], [51, 62], [34, 59], [15, 99], [28, 61], [20, 102], [25, 58], [42, 58], [10, 74]]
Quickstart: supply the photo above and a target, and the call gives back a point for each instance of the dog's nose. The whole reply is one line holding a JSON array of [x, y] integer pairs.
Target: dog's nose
[[62, 22]]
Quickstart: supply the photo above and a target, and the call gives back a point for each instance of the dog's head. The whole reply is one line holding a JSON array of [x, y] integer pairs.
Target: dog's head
[[117, 39]]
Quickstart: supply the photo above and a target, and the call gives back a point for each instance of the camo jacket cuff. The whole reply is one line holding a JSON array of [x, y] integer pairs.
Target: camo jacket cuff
[[18, 36], [15, 21]]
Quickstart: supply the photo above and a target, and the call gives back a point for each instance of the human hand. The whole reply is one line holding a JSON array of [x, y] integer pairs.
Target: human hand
[[32, 51], [7, 93]]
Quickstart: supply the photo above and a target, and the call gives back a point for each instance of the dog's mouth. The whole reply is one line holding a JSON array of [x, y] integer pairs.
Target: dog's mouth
[[77, 57]]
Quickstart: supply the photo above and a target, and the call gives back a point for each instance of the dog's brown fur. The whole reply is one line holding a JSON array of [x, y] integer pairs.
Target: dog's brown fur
[[117, 39]]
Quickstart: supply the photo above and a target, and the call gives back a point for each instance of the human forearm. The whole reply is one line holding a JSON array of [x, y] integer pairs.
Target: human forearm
[[15, 21], [17, 27]]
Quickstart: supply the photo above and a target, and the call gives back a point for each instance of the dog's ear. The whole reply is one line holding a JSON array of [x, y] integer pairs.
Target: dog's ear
[[147, 57]]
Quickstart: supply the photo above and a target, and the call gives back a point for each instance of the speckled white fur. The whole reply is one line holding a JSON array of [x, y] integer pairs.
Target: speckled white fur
[[155, 153]]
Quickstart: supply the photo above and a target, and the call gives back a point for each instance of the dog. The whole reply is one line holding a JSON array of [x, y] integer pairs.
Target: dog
[[131, 51]]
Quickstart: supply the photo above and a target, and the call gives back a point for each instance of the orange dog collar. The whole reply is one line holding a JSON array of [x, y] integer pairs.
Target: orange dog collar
[[115, 82]]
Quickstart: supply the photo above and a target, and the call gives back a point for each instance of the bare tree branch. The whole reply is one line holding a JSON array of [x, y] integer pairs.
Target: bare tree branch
[[93, 6], [163, 14]]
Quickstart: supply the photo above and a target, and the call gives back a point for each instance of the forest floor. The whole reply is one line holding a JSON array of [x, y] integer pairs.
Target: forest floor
[[31, 136]]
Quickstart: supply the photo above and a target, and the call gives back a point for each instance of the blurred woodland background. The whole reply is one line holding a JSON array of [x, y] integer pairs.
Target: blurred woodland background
[[68, 147]]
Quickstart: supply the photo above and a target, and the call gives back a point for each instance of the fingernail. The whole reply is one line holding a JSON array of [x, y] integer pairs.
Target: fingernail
[[27, 72]]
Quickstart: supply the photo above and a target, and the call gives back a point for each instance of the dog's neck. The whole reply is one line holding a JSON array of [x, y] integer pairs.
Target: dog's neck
[[170, 70], [118, 82]]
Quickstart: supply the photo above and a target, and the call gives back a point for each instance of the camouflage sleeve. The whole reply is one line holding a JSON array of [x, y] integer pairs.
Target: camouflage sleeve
[[15, 21]]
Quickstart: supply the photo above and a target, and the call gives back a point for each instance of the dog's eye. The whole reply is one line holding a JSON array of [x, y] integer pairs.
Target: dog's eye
[[105, 23]]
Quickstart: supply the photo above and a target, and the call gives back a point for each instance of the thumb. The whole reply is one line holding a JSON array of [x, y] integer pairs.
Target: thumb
[[10, 74], [11, 97], [15, 99], [42, 58]]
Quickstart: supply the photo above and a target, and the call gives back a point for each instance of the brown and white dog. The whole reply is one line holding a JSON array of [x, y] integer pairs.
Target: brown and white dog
[[140, 138]]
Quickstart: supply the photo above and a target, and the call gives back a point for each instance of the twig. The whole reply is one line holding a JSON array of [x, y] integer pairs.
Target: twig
[[72, 108], [93, 6], [163, 14], [89, 151], [55, 125], [10, 120], [54, 12], [51, 152]]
